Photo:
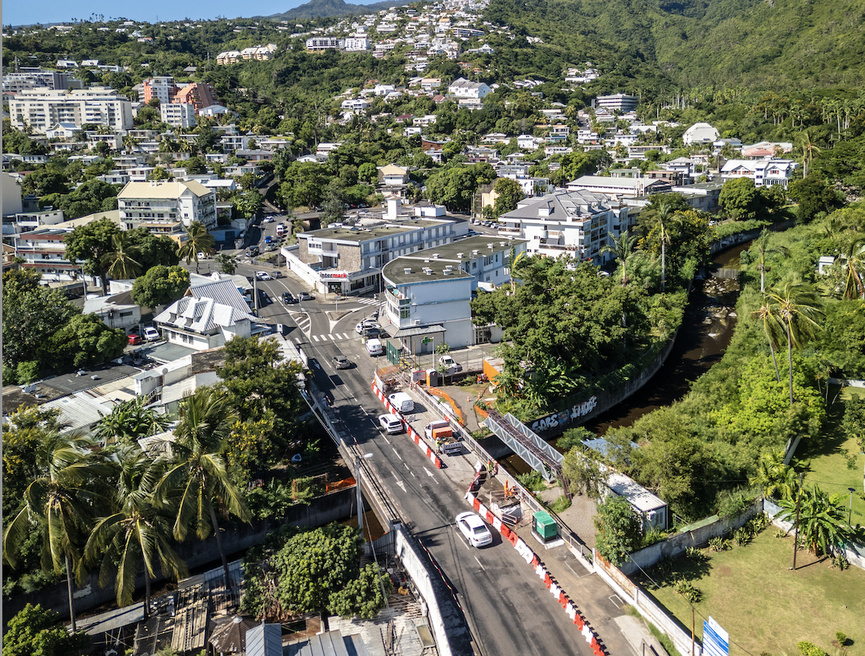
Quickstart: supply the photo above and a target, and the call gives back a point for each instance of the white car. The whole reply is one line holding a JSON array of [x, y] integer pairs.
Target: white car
[[391, 424], [262, 275], [473, 529], [363, 325], [202, 255], [450, 365], [374, 347], [151, 334]]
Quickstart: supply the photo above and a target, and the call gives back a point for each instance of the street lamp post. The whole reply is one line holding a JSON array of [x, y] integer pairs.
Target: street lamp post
[[851, 490]]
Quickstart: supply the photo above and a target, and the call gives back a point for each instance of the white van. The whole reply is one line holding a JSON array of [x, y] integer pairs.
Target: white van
[[374, 347], [402, 402]]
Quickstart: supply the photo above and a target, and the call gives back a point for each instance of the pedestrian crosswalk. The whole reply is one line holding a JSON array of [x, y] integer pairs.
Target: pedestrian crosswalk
[[328, 337], [369, 301]]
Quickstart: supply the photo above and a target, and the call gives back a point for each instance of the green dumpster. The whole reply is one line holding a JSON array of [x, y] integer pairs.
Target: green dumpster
[[545, 526]]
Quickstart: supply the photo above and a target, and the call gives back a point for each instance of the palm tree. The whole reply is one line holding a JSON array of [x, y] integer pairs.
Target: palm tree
[[138, 529], [121, 261], [771, 328], [764, 249], [621, 247], [853, 262], [62, 499], [663, 217], [198, 240], [775, 478], [128, 421], [197, 478], [795, 307], [808, 150], [822, 519]]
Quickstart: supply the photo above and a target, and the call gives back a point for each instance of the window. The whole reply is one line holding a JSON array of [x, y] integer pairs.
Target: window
[[404, 313]]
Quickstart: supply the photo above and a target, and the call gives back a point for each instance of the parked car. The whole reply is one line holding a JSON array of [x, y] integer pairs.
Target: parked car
[[267, 219], [135, 339], [363, 325], [391, 424], [202, 255], [473, 529], [402, 402], [268, 239], [374, 347], [305, 296], [262, 275], [288, 299], [449, 365], [151, 334], [341, 362]]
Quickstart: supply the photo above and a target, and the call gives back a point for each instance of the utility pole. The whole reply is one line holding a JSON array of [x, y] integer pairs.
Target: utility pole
[[692, 630], [796, 531]]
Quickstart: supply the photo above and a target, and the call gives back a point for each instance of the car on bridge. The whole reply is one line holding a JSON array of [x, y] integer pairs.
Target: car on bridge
[[473, 529], [391, 424]]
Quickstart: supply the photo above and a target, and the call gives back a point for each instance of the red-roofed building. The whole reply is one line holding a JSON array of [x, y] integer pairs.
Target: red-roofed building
[[198, 95]]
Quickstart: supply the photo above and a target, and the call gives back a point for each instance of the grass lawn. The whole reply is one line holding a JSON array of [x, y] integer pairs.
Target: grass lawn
[[828, 461], [765, 607]]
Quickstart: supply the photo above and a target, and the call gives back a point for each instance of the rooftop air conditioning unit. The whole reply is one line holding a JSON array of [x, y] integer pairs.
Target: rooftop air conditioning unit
[[475, 252], [407, 270], [490, 246], [460, 255]]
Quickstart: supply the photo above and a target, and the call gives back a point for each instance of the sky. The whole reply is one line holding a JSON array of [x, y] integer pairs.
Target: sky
[[22, 12]]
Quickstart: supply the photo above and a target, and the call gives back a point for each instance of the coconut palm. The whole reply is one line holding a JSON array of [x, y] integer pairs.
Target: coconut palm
[[198, 240], [128, 421], [808, 150], [771, 328], [197, 481], [63, 500], [621, 247], [853, 262], [796, 308], [664, 215], [136, 532], [762, 247], [121, 260]]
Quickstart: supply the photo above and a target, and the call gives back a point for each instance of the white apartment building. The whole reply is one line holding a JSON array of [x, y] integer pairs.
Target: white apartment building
[[319, 43], [162, 88], [166, 207], [349, 260], [181, 115], [356, 44], [576, 224], [619, 187], [619, 102], [42, 109], [32, 79], [428, 292]]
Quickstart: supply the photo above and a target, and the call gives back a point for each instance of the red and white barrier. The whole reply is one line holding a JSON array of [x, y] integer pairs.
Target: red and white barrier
[[549, 580], [412, 433]]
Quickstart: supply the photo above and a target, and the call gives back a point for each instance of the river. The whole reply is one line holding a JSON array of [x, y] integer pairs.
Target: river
[[706, 330]]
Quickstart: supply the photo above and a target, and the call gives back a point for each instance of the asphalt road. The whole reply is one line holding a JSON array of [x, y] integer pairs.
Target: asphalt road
[[510, 609]]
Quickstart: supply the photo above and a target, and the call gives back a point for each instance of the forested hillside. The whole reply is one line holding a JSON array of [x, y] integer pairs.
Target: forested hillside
[[722, 43]]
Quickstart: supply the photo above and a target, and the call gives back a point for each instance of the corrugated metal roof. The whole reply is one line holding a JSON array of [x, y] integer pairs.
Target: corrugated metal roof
[[264, 640], [221, 291]]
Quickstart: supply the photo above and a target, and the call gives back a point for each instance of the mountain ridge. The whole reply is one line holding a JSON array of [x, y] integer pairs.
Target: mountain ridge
[[332, 8]]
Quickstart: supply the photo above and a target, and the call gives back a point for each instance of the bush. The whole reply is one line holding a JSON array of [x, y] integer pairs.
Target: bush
[[733, 504], [719, 544], [27, 372], [689, 591], [840, 561], [561, 504], [808, 649], [532, 481]]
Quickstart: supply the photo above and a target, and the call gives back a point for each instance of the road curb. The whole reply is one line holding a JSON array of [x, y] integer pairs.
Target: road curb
[[541, 571], [412, 433]]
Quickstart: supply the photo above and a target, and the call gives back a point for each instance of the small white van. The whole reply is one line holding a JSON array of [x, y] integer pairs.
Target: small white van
[[374, 347], [402, 402]]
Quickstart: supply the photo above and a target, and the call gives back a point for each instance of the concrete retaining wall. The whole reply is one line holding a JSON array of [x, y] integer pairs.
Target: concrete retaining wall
[[236, 538], [676, 545]]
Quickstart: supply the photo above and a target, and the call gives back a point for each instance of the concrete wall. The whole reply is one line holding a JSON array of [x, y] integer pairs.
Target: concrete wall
[[676, 545], [236, 538], [296, 265]]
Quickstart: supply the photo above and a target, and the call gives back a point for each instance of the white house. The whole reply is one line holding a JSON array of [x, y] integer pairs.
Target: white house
[[181, 115], [573, 223], [116, 311], [700, 133], [463, 88], [428, 292], [207, 317], [764, 172]]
